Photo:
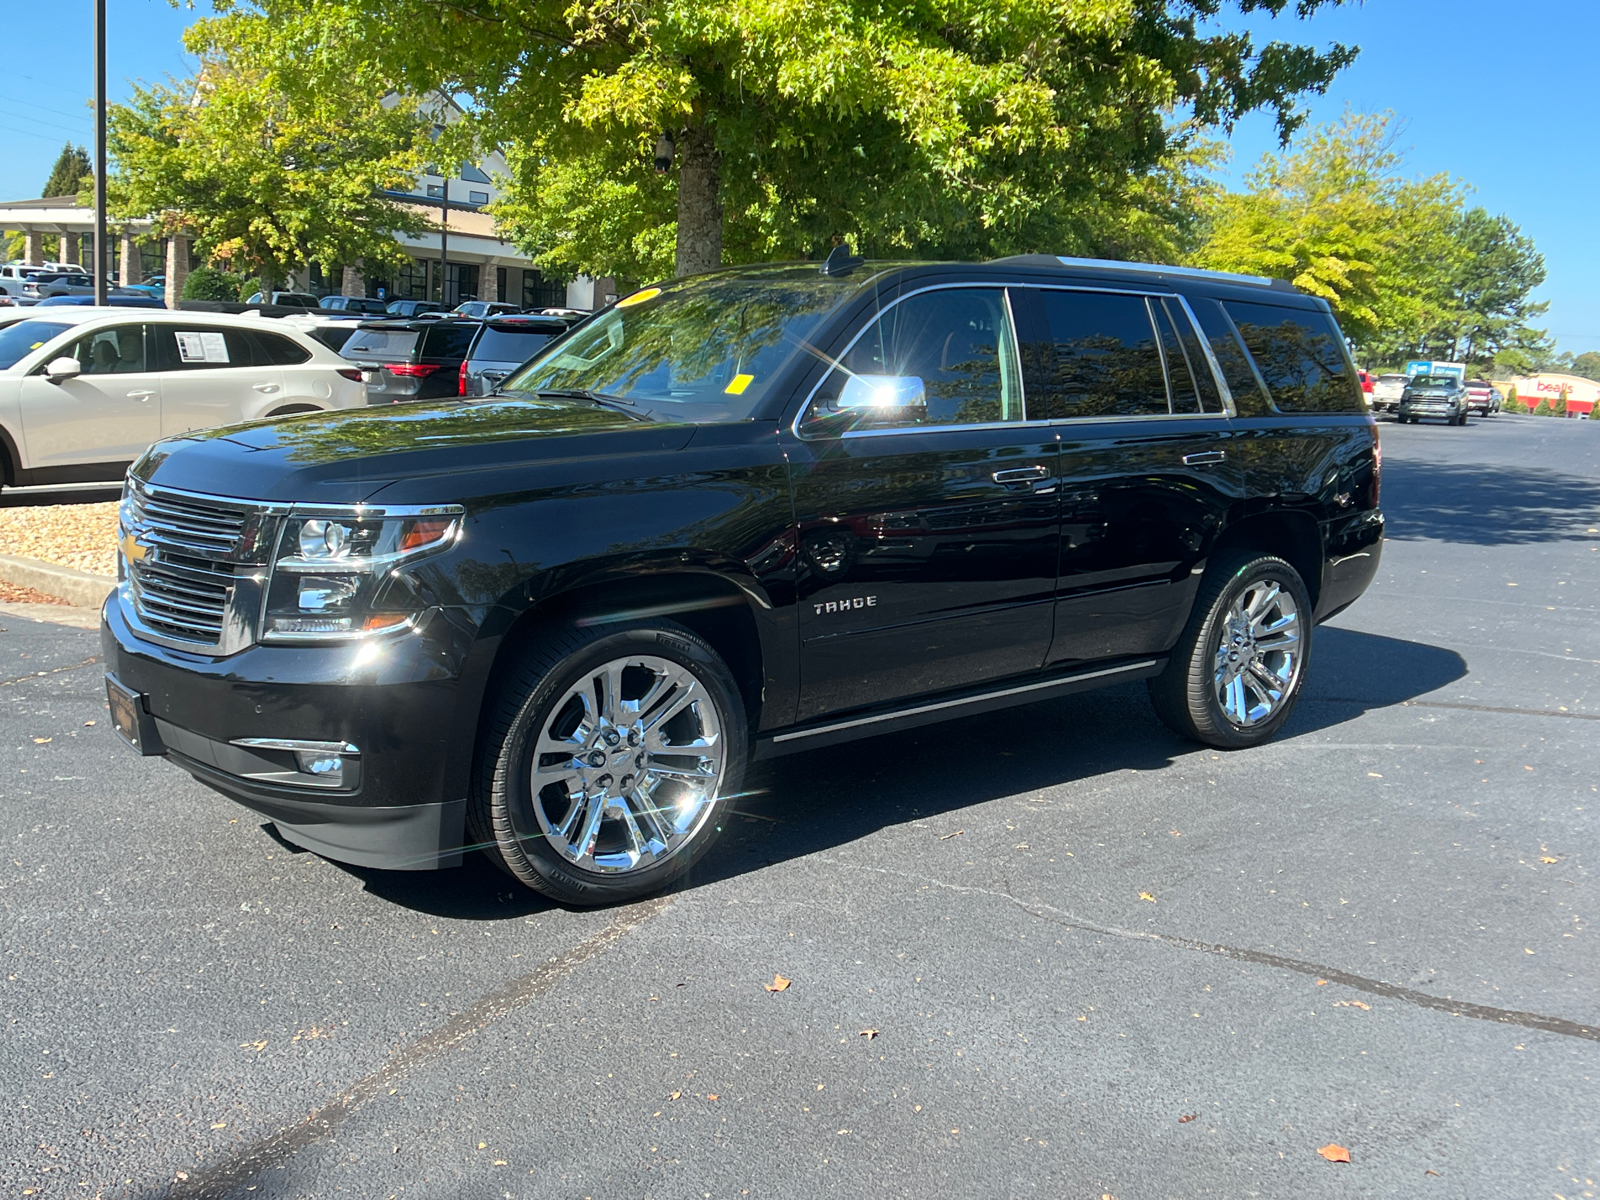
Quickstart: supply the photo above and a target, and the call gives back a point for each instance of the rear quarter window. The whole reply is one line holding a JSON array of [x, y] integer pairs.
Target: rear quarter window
[[508, 345], [390, 344], [1301, 356], [448, 341], [281, 351]]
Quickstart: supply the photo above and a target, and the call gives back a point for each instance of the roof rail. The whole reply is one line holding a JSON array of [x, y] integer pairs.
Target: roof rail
[[1042, 260]]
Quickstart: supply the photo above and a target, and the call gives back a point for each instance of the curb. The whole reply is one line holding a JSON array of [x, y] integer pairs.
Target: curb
[[82, 589]]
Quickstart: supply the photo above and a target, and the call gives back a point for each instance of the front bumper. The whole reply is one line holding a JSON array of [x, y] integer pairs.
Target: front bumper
[[398, 702]]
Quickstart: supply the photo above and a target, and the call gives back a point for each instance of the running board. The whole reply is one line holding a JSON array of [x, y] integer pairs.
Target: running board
[[791, 741]]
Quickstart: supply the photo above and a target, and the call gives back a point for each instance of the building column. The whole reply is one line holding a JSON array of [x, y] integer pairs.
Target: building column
[[33, 255], [69, 249], [489, 281], [132, 267], [352, 283], [177, 267]]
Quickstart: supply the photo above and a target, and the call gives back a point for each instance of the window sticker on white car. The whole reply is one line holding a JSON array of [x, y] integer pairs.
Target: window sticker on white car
[[202, 348]]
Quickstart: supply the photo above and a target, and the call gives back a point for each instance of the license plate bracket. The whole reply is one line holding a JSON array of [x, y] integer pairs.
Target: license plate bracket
[[132, 719]]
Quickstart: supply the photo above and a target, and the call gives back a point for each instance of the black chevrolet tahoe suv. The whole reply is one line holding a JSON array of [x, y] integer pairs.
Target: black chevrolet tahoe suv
[[761, 510]]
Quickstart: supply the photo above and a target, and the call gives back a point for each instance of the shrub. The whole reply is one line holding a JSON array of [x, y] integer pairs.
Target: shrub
[[248, 287], [1542, 409], [209, 283], [1560, 406]]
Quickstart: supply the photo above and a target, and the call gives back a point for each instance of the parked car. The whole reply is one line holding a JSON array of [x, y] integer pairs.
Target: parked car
[[412, 308], [1483, 396], [1365, 376], [761, 510], [115, 298], [14, 276], [332, 329], [354, 304], [1442, 396], [480, 309], [418, 359], [286, 299], [501, 346], [83, 391], [57, 283], [155, 287], [1386, 390]]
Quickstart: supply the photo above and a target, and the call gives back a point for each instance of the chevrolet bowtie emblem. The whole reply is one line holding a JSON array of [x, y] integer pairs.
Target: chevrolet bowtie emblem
[[132, 549]]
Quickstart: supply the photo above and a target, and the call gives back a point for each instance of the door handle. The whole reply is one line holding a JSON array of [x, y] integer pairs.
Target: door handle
[[1203, 457], [1021, 474], [141, 394], [268, 388]]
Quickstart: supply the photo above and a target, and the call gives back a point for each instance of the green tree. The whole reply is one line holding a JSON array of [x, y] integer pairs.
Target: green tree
[[1512, 404], [1586, 364], [1542, 409], [1559, 408], [265, 172], [210, 283], [66, 177], [950, 127]]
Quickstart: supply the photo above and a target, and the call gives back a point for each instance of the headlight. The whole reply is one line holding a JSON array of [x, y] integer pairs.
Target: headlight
[[338, 573]]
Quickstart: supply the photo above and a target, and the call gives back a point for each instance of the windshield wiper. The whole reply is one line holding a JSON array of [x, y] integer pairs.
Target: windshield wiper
[[614, 403]]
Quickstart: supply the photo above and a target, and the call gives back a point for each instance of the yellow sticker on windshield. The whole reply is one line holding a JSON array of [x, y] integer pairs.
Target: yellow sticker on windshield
[[639, 297], [740, 382], [35, 346]]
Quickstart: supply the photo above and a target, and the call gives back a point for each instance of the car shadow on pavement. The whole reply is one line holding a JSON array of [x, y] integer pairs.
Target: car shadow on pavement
[[827, 798], [1481, 504], [806, 803]]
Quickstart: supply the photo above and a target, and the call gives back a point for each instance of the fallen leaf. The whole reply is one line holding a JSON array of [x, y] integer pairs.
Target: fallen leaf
[[1373, 775], [948, 836], [1548, 859], [1334, 1153], [778, 983], [219, 1125], [1351, 1004], [916, 1108], [869, 1034], [499, 1162], [1321, 982], [674, 1095], [483, 1145], [1430, 1172], [711, 1096], [42, 741], [86, 724], [1147, 896], [257, 1046], [1186, 1118]]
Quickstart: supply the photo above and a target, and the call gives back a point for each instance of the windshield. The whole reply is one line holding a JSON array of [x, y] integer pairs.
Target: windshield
[[499, 344], [19, 340], [702, 350], [1434, 381], [381, 343]]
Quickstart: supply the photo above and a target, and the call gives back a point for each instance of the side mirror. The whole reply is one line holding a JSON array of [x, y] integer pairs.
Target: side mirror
[[884, 395], [62, 369]]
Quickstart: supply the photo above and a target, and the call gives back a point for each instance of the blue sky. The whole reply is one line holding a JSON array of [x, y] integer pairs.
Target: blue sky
[[1500, 95]]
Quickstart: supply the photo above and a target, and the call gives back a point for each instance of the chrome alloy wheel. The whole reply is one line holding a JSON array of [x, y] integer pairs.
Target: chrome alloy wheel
[[627, 766], [1258, 658]]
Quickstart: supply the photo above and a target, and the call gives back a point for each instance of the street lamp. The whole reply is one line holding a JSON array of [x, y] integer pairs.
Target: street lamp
[[99, 151]]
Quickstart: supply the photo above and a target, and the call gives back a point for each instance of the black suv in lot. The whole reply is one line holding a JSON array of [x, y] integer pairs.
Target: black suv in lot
[[762, 510], [417, 359]]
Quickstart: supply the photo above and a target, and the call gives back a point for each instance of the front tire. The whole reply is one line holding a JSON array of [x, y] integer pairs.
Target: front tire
[[1235, 674], [608, 761]]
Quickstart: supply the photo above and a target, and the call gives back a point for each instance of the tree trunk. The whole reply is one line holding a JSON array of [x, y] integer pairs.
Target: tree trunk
[[699, 203]]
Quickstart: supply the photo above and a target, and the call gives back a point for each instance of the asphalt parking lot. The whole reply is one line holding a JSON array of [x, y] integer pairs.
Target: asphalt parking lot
[[1047, 952]]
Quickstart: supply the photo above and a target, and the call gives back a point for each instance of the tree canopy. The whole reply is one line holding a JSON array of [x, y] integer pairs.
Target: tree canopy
[[267, 169], [67, 176], [946, 127], [1409, 269]]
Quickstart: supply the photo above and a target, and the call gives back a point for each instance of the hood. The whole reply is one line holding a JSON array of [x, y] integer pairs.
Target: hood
[[346, 457]]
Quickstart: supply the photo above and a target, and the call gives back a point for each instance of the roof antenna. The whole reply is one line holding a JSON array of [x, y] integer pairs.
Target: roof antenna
[[841, 261]]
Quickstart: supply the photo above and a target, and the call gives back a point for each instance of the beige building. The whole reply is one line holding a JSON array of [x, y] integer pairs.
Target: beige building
[[1582, 394]]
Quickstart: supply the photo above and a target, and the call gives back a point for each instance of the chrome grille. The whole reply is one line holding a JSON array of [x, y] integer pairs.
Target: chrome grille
[[181, 572]]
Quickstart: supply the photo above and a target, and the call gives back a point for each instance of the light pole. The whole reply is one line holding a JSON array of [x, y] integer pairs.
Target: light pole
[[100, 151], [444, 236]]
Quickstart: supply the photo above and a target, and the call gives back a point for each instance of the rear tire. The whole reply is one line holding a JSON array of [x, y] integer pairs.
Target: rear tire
[[608, 759], [1235, 674], [289, 410]]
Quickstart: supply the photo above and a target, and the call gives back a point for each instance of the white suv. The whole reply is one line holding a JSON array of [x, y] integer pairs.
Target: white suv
[[84, 391]]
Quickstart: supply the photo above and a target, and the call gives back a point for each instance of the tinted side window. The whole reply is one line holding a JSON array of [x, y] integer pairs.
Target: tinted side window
[[197, 348], [275, 348], [951, 349], [1248, 397], [1095, 357], [1180, 379], [115, 351], [1301, 356], [1194, 354], [448, 340], [509, 345]]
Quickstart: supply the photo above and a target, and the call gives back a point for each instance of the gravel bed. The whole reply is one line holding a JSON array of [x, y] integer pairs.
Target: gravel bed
[[70, 535]]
